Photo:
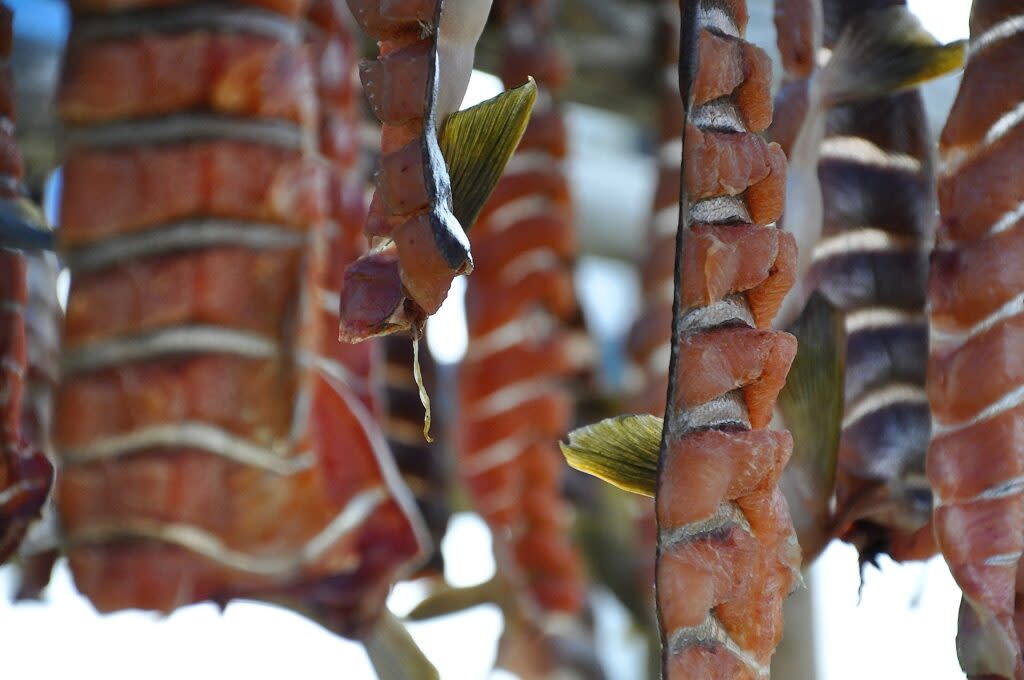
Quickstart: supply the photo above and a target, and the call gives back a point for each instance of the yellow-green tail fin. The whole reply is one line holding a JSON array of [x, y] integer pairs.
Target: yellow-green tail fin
[[622, 451], [477, 144]]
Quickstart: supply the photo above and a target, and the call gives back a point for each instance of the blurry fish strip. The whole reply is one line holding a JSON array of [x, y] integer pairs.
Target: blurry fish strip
[[212, 447], [975, 379], [26, 342], [727, 554], [514, 397]]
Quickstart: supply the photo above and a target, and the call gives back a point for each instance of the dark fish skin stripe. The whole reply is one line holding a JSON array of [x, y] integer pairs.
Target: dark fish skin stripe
[[891, 441], [894, 123], [891, 354], [886, 279], [851, 191]]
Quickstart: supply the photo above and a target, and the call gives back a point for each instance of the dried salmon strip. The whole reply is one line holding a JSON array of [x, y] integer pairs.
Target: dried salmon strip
[[514, 382], [976, 315], [727, 555], [216, 443], [25, 471], [419, 78]]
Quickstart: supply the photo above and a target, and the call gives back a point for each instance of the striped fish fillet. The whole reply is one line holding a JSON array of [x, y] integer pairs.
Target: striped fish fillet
[[213, 445], [975, 377]]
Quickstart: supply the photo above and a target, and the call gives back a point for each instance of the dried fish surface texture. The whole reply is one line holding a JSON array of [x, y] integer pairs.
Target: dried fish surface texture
[[975, 376], [418, 244], [216, 440], [727, 553], [25, 471], [515, 401]]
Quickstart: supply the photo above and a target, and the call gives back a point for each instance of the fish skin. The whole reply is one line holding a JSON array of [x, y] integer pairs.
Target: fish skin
[[974, 458], [875, 169]]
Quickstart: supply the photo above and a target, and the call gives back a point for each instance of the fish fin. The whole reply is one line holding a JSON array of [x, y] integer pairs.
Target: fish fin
[[23, 226], [883, 52], [394, 654], [622, 451], [812, 404], [448, 600], [477, 144]]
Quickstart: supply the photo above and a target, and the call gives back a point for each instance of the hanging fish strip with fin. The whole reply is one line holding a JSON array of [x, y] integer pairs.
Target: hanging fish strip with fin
[[209, 449], [418, 244], [975, 373], [514, 401], [727, 555], [25, 471], [860, 200]]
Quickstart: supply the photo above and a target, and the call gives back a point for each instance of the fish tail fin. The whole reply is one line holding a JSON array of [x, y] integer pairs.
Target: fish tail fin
[[883, 52], [622, 451], [477, 144]]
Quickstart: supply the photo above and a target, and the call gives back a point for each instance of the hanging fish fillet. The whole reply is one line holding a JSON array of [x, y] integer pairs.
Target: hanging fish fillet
[[25, 471], [727, 555], [211, 449], [975, 289], [860, 203], [419, 246], [513, 381]]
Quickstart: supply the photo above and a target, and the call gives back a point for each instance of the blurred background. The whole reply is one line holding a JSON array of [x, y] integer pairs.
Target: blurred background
[[900, 622]]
